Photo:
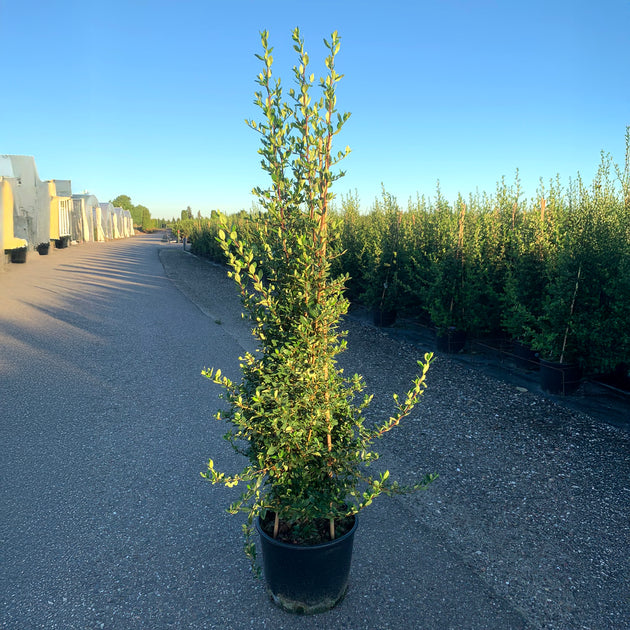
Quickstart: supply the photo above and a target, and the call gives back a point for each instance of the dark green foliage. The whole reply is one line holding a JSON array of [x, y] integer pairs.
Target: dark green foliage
[[382, 233], [585, 309], [497, 264]]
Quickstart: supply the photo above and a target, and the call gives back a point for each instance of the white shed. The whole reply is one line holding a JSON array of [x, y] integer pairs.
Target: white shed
[[31, 210]]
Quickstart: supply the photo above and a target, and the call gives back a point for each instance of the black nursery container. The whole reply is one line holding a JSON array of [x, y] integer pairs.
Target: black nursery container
[[18, 255], [452, 341], [559, 378], [307, 579], [383, 318], [525, 357]]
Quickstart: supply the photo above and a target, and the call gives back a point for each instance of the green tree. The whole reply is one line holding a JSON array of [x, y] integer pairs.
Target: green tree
[[122, 201], [142, 217]]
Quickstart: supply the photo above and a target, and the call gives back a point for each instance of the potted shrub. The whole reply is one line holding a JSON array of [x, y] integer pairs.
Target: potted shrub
[[554, 336], [448, 296], [447, 305], [584, 326], [42, 248], [382, 295], [560, 372], [467, 270], [298, 421], [603, 321], [515, 318], [532, 253], [522, 296], [382, 292]]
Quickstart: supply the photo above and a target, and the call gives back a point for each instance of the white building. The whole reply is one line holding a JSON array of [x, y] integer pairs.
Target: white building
[[31, 199], [85, 206], [107, 220]]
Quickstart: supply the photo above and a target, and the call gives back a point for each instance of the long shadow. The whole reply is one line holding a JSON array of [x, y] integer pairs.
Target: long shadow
[[83, 301]]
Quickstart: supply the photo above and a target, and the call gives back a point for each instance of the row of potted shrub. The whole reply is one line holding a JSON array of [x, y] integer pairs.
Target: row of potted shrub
[[552, 273]]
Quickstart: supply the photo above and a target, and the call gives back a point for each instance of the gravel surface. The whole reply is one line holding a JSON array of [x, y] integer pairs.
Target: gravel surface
[[532, 496]]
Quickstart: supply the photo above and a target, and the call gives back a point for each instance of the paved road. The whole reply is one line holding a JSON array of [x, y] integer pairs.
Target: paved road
[[105, 423]]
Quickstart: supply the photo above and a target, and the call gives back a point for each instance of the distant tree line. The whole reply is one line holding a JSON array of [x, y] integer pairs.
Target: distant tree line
[[140, 214]]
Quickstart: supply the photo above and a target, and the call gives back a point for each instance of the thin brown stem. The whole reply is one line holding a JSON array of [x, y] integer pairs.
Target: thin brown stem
[[566, 331]]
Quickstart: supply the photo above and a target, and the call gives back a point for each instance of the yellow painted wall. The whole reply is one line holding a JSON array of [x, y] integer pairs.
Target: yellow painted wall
[[59, 213], [6, 214], [54, 210]]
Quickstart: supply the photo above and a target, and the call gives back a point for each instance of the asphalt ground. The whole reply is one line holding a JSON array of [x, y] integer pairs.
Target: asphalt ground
[[105, 424]]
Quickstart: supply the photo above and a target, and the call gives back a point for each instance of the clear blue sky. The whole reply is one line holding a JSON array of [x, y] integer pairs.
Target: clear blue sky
[[148, 98]]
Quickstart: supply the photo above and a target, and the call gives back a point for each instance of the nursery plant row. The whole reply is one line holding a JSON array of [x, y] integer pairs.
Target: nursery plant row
[[551, 272]]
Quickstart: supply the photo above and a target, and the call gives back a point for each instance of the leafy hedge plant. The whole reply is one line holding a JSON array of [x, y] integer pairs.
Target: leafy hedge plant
[[295, 417], [586, 304], [381, 254]]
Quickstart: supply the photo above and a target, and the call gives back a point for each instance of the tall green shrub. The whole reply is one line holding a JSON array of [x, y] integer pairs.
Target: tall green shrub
[[414, 247], [293, 414], [448, 303], [381, 275], [354, 262], [584, 316]]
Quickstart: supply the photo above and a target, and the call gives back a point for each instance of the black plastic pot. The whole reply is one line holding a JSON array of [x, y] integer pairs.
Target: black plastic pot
[[452, 341], [619, 378], [42, 249], [18, 255], [559, 378], [63, 242], [307, 579], [384, 317], [524, 356]]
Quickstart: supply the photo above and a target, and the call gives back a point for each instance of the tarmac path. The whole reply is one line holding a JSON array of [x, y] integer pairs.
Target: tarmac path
[[105, 424]]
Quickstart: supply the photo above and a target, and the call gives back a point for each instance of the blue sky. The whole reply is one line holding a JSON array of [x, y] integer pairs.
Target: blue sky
[[148, 98]]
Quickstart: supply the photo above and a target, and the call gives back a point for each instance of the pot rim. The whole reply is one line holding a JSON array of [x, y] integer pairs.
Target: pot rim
[[330, 543], [563, 364]]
